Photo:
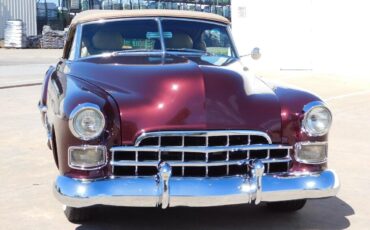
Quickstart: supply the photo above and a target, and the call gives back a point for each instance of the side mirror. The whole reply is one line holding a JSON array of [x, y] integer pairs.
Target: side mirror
[[255, 54]]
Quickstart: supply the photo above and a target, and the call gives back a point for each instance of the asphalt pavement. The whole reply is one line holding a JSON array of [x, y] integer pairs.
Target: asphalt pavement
[[27, 169], [21, 67]]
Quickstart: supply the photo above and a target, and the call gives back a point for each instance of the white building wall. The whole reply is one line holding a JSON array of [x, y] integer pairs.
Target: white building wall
[[330, 36], [18, 9]]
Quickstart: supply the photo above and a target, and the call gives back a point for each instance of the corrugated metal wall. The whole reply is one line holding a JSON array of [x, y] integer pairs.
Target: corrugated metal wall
[[18, 9]]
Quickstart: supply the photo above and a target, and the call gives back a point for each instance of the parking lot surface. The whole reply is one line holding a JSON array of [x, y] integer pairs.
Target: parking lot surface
[[27, 169]]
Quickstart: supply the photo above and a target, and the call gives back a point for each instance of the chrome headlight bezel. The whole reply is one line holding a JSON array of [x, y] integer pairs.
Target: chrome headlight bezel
[[307, 110], [74, 114]]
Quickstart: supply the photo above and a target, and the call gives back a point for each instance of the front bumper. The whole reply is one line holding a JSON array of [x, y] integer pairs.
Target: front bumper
[[166, 191]]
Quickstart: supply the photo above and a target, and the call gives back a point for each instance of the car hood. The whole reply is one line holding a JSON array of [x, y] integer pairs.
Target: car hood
[[168, 92]]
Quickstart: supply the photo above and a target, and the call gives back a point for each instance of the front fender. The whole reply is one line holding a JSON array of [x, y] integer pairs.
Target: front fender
[[292, 101], [65, 93]]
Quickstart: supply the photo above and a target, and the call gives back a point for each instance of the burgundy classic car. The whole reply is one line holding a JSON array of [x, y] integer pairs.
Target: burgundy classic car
[[153, 108]]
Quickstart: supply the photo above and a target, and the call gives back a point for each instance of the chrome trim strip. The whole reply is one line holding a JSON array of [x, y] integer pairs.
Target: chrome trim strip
[[228, 153], [203, 133], [197, 163], [154, 52], [235, 50], [44, 119], [199, 149], [163, 45], [195, 192]]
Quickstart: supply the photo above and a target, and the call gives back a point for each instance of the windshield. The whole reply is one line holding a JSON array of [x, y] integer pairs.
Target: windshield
[[197, 36], [115, 36], [143, 35]]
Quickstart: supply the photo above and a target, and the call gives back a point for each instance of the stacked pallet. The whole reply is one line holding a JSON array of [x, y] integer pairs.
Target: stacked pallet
[[15, 36], [34, 41], [52, 39]]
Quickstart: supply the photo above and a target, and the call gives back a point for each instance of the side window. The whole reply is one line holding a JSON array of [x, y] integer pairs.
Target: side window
[[217, 42], [84, 48]]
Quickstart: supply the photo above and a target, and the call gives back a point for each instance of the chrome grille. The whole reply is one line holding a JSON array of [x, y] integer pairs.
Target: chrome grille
[[200, 153]]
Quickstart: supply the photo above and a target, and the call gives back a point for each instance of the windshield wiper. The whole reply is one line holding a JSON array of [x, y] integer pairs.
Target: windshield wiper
[[188, 50], [135, 50]]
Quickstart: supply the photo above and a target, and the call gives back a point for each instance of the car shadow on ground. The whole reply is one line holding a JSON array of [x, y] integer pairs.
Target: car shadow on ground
[[329, 213]]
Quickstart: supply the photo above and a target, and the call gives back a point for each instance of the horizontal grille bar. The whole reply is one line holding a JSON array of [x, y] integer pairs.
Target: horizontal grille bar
[[196, 163], [201, 149], [213, 133]]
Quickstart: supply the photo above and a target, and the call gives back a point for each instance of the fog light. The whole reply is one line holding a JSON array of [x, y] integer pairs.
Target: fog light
[[87, 157], [311, 152]]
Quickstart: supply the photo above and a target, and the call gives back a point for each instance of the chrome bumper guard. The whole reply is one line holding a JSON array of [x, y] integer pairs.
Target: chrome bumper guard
[[166, 191]]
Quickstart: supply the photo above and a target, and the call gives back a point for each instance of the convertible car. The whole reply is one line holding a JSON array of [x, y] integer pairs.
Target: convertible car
[[153, 108]]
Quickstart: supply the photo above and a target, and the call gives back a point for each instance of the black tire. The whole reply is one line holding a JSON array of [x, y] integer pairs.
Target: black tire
[[286, 206], [78, 215]]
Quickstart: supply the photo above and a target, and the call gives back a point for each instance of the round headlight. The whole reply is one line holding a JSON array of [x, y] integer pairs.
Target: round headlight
[[87, 121], [317, 119]]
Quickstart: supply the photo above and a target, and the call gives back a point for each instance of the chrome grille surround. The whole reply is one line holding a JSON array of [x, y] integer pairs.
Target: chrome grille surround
[[236, 150]]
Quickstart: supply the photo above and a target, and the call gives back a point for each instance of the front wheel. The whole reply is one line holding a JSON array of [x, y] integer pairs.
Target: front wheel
[[286, 206], [78, 215]]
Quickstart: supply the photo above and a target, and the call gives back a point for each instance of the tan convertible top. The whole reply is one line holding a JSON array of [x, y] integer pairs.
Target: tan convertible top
[[94, 15]]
